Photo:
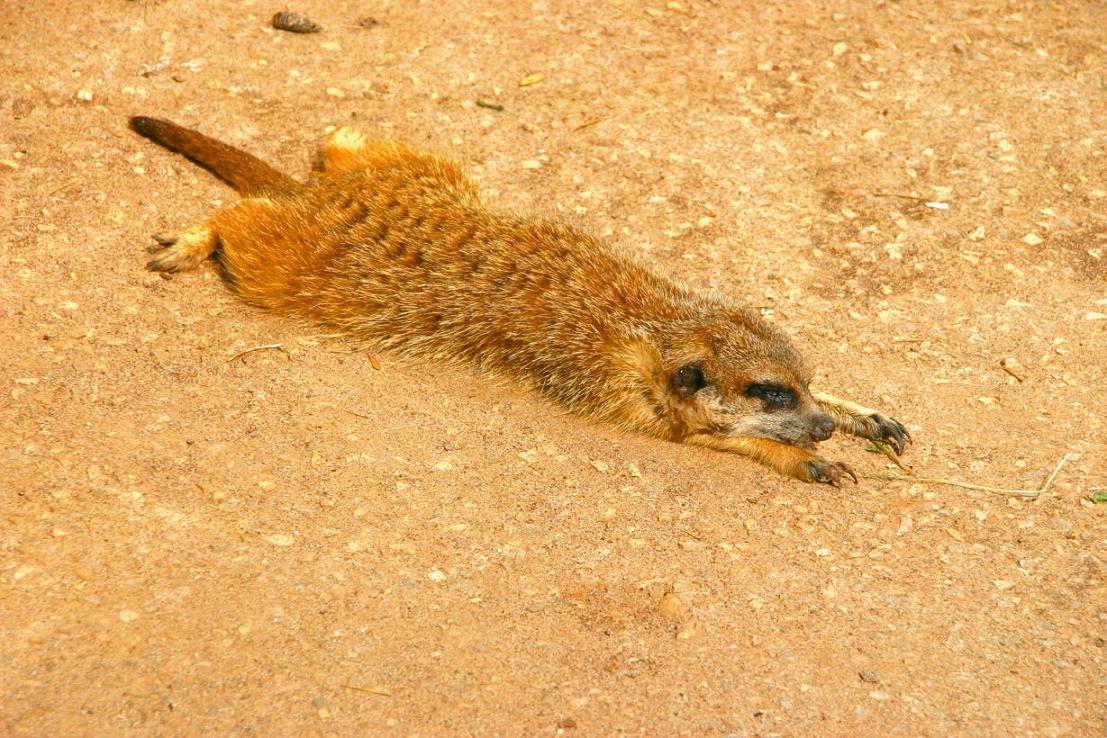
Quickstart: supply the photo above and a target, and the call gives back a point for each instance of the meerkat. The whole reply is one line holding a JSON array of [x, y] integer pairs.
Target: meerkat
[[395, 248]]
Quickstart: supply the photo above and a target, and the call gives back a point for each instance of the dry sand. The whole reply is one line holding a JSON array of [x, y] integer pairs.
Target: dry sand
[[291, 542]]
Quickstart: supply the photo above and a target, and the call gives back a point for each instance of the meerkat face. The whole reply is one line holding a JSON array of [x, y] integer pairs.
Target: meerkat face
[[746, 380]]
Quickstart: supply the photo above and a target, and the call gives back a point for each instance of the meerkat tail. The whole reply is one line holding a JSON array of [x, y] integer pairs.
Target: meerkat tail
[[244, 172]]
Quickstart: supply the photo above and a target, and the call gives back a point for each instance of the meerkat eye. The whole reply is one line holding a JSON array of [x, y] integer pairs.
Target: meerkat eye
[[775, 396], [688, 380]]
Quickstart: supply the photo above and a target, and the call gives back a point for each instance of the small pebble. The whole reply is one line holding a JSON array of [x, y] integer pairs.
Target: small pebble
[[905, 525], [672, 607], [872, 677], [295, 23]]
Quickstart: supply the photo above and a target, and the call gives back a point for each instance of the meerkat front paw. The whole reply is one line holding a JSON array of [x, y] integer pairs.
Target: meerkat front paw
[[877, 427], [858, 420], [881, 428], [824, 471], [181, 253]]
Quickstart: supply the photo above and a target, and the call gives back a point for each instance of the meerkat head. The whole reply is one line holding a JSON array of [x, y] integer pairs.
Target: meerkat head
[[736, 375]]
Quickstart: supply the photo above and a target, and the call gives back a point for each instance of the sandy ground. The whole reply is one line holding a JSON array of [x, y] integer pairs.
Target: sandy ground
[[196, 541]]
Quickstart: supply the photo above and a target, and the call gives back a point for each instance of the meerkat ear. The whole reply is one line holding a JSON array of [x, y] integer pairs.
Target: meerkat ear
[[688, 380]]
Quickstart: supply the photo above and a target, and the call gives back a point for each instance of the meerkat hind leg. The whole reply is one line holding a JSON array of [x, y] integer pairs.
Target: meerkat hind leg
[[345, 149], [858, 420], [185, 251]]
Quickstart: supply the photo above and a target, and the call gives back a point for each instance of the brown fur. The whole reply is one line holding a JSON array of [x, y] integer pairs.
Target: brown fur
[[240, 170], [394, 247]]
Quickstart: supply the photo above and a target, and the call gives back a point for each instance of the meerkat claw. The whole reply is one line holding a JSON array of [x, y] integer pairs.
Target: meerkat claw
[[890, 431], [833, 473], [161, 241]]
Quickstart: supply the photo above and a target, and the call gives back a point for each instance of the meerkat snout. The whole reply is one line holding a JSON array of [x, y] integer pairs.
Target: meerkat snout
[[822, 427]]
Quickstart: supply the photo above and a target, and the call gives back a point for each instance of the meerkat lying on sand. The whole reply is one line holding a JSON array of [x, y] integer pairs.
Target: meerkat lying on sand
[[394, 247]]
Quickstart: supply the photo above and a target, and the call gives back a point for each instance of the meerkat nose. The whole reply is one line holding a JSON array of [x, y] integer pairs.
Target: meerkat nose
[[822, 426]]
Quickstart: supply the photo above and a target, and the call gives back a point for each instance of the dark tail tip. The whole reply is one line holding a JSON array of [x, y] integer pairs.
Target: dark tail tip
[[144, 126], [240, 170]]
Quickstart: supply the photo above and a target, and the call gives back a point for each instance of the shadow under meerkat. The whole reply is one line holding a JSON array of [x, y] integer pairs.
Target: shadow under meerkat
[[394, 247]]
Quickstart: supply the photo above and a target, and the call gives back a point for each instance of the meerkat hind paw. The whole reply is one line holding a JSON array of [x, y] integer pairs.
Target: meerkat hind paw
[[180, 253]]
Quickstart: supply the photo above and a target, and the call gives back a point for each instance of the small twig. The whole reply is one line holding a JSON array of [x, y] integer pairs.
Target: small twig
[[1009, 370], [490, 106], [369, 690], [357, 349], [1024, 493], [267, 347], [908, 340], [358, 415], [902, 197], [1057, 470], [888, 451], [589, 123], [1027, 493], [65, 186]]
